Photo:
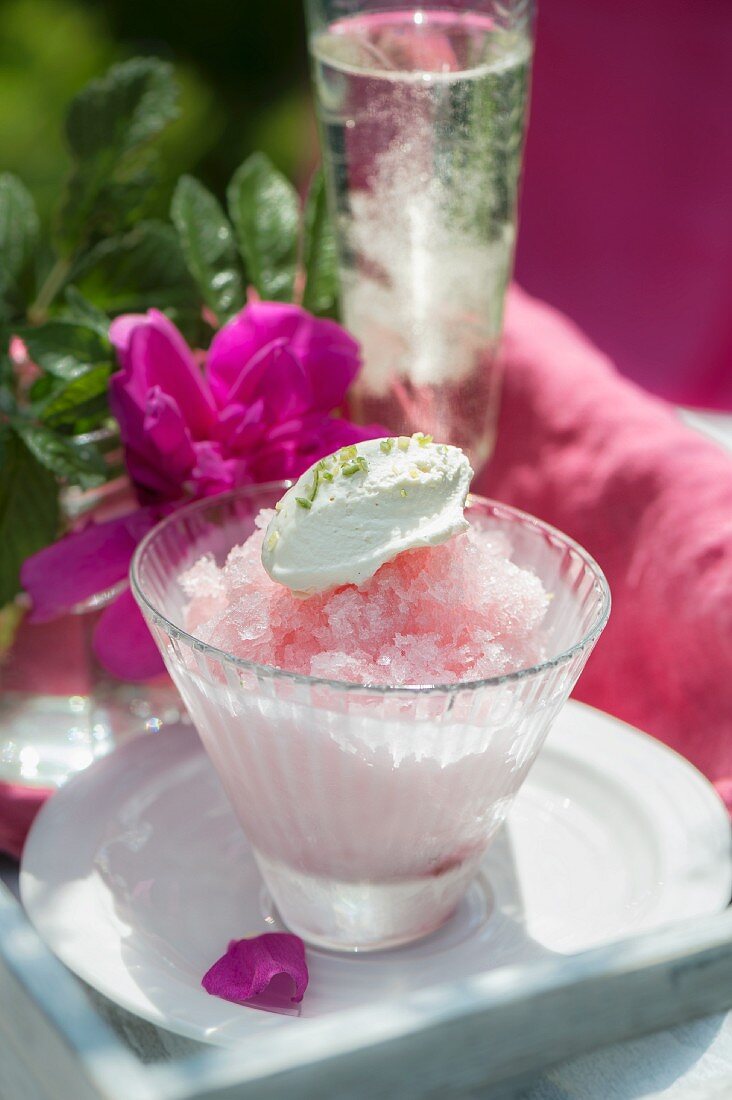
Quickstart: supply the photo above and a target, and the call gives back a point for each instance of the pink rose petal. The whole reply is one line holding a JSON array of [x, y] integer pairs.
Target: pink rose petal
[[153, 353], [83, 564], [327, 353], [260, 967], [259, 409], [123, 644]]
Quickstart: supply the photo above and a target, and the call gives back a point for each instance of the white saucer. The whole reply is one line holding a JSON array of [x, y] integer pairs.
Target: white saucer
[[137, 875]]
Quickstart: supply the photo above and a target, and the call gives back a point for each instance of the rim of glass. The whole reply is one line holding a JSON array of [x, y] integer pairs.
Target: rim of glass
[[177, 632]]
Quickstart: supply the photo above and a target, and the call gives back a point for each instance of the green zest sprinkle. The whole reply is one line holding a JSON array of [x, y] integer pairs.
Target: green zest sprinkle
[[387, 446], [326, 475], [348, 454], [314, 487], [422, 439], [304, 502], [359, 465], [403, 442], [403, 492]]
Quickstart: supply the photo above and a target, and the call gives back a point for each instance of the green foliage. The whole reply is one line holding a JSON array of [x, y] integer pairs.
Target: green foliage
[[78, 463], [266, 214], [71, 406], [109, 127], [65, 349], [140, 270], [108, 256], [319, 252], [209, 247], [48, 50], [122, 110], [28, 509], [81, 310], [18, 241]]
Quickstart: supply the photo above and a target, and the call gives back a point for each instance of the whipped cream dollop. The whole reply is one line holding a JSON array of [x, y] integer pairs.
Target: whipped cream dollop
[[362, 506]]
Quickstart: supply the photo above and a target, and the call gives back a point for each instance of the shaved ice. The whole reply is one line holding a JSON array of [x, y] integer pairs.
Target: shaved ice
[[456, 612]]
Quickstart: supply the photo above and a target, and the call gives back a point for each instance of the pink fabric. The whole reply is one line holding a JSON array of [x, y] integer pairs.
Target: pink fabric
[[652, 501], [18, 806], [626, 221]]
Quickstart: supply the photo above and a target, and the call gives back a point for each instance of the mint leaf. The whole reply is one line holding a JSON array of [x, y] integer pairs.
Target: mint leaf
[[28, 509], [72, 462], [208, 244], [265, 211], [319, 252], [65, 349], [18, 239], [109, 127], [80, 399]]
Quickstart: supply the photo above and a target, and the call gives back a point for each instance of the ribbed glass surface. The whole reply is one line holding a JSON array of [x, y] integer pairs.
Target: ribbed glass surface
[[369, 809]]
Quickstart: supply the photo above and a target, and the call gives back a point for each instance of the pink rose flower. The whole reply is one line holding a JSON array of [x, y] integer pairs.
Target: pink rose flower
[[260, 409]]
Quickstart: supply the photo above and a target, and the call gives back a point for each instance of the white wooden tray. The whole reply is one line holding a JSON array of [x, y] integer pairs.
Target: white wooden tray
[[490, 1031], [493, 1032]]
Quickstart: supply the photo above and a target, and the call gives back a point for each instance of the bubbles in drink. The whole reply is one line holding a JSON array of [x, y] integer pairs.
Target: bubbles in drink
[[422, 116]]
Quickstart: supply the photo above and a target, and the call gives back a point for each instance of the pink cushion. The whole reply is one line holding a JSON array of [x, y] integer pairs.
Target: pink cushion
[[18, 806], [593, 454], [652, 500]]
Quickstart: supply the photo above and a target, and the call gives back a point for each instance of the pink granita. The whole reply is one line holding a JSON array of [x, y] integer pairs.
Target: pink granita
[[456, 612]]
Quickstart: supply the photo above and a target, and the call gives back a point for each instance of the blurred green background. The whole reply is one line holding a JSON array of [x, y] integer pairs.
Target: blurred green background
[[242, 66]]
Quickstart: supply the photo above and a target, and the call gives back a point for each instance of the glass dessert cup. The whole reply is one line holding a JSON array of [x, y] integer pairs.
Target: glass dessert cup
[[369, 809]]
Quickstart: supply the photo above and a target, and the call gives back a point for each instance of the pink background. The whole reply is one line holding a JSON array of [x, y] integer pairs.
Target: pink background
[[627, 203]]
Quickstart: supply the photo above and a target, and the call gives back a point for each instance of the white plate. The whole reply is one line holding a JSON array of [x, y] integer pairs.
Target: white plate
[[137, 875]]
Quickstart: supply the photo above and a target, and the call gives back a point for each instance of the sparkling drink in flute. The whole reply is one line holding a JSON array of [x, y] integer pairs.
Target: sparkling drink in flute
[[422, 120]]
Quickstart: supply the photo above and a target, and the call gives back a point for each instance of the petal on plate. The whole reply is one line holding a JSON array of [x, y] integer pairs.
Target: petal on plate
[[249, 966]]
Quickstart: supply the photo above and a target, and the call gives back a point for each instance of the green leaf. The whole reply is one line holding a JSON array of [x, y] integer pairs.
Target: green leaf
[[66, 349], [42, 389], [140, 270], [131, 104], [28, 509], [7, 370], [84, 312], [319, 252], [208, 244], [109, 127], [18, 235], [265, 211], [74, 463], [84, 397]]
